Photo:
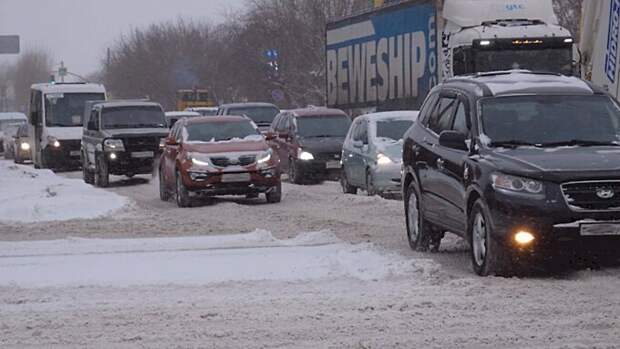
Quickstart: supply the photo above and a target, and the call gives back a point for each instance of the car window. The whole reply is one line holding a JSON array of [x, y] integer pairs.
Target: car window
[[276, 122], [361, 132], [425, 112], [441, 118], [460, 119]]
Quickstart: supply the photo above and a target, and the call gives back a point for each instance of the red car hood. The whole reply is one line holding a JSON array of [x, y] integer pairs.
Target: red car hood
[[226, 147]]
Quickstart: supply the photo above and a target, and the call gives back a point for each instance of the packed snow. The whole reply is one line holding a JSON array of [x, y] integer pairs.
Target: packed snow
[[29, 195], [256, 256]]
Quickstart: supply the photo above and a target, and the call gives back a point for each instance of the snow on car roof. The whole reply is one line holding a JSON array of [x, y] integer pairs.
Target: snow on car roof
[[318, 111], [183, 113], [69, 88], [12, 116], [248, 105], [127, 103], [397, 114], [221, 118]]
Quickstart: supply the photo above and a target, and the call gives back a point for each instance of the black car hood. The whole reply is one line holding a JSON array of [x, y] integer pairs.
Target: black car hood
[[559, 163], [322, 144], [136, 132]]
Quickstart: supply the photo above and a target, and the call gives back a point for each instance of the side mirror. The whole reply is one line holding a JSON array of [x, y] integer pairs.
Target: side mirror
[[34, 118], [453, 140], [92, 126], [284, 135], [270, 136], [171, 141]]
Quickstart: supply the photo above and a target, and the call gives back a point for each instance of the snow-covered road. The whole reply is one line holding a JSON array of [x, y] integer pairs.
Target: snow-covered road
[[167, 277]]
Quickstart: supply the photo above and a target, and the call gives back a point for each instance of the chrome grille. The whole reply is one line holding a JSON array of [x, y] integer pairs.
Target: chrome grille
[[592, 195], [224, 161]]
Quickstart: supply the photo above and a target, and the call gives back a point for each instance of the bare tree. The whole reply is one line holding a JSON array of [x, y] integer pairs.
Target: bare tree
[[33, 66], [569, 14]]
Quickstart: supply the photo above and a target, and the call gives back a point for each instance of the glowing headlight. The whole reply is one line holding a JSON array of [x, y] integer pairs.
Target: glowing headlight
[[383, 159], [524, 238], [516, 184], [25, 146], [304, 155], [264, 158], [53, 142], [114, 145], [162, 143], [199, 159]]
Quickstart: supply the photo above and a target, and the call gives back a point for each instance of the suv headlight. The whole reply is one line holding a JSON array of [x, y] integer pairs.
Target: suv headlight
[[264, 157], [383, 159], [162, 143], [113, 145], [198, 159], [516, 184], [304, 155]]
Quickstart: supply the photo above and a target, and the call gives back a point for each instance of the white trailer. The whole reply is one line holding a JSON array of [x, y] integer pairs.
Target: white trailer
[[600, 34]]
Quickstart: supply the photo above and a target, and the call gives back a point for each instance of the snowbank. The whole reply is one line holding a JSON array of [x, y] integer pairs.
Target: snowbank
[[29, 195], [256, 256]]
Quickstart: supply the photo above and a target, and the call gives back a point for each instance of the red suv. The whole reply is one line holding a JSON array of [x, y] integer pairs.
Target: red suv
[[227, 155]]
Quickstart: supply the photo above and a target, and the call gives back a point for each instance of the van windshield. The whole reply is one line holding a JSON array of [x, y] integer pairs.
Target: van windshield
[[66, 109], [133, 117], [260, 115], [551, 120], [556, 60]]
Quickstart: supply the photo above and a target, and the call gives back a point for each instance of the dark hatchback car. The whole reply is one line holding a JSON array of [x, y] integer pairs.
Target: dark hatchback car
[[122, 138], [261, 113], [520, 164], [309, 142]]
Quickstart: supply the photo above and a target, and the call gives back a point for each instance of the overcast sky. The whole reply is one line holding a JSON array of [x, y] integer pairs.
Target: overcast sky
[[78, 31]]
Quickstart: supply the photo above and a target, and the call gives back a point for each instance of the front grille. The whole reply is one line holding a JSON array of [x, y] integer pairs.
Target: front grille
[[224, 161], [68, 146], [593, 195], [328, 156], [141, 144]]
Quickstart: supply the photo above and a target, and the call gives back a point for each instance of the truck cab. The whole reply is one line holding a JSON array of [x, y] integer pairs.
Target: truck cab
[[490, 35], [55, 122]]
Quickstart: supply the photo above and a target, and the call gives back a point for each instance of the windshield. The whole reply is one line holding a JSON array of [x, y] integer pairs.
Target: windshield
[[133, 117], [550, 120], [207, 112], [9, 124], [393, 129], [260, 115], [221, 131], [66, 109], [556, 60], [323, 126]]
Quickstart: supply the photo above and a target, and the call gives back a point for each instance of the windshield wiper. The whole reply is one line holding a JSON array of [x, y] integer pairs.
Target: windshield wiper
[[512, 144], [580, 142]]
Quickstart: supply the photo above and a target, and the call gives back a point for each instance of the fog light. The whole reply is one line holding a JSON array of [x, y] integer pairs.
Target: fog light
[[524, 238], [112, 156]]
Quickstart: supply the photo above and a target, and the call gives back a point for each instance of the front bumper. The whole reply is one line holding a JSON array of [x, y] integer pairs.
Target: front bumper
[[319, 169], [386, 178], [125, 164], [550, 220], [65, 156], [213, 183]]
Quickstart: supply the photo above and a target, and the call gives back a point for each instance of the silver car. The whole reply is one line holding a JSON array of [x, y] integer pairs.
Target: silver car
[[372, 153]]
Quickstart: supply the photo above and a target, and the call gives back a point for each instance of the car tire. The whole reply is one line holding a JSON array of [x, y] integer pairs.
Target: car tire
[[488, 256], [102, 173], [293, 172], [344, 183], [370, 189], [87, 175], [418, 230], [182, 194], [164, 195], [275, 196]]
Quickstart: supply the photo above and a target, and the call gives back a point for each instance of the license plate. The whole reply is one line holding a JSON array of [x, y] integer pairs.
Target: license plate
[[236, 178], [74, 153], [332, 164], [143, 154], [600, 229]]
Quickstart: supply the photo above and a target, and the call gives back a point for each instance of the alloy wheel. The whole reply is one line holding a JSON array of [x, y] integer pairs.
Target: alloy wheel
[[479, 239]]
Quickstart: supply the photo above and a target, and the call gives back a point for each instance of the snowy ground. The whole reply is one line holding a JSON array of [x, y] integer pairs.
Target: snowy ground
[[166, 277]]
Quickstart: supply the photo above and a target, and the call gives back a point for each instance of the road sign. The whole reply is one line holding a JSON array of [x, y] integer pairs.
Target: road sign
[[278, 95], [272, 55], [9, 44]]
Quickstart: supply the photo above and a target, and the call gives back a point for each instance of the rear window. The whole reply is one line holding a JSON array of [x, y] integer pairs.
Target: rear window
[[133, 117], [221, 131], [323, 126]]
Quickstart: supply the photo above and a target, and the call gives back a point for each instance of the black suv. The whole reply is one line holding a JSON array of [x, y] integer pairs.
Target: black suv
[[261, 113], [121, 138], [518, 163]]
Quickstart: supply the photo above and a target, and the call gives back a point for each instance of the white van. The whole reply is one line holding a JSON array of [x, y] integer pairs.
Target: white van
[[55, 118]]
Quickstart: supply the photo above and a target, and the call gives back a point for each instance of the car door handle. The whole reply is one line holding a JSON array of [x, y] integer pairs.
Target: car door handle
[[441, 164]]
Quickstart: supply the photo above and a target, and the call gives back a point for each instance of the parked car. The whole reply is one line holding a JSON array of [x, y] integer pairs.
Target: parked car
[[309, 142], [122, 138], [209, 156], [21, 145], [204, 111], [9, 122], [173, 116], [261, 113], [372, 153], [518, 163]]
